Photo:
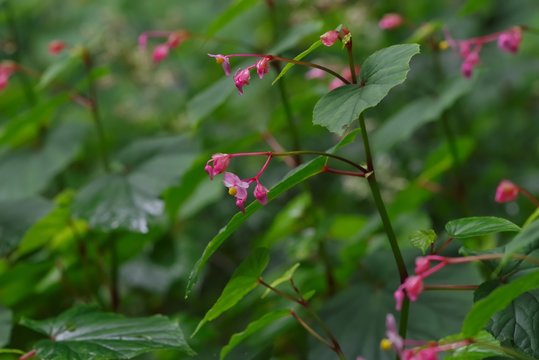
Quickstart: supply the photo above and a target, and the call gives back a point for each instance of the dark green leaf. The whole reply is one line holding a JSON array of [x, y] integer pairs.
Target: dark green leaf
[[84, 333], [419, 112], [382, 71], [422, 239], [27, 172], [116, 202], [16, 217], [252, 329], [243, 281], [497, 300], [5, 325], [478, 226]]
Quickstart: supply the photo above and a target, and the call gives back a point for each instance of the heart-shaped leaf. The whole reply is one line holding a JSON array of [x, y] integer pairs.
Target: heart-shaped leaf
[[380, 72], [84, 333]]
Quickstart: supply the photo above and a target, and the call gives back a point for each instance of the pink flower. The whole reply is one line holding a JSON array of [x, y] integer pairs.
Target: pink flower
[[423, 354], [510, 40], [329, 38], [390, 21], [422, 264], [469, 63], [412, 288], [315, 73], [56, 47], [506, 191], [392, 334], [175, 39], [241, 78], [223, 61], [142, 41], [237, 188], [399, 298], [262, 66], [261, 193], [220, 163], [5, 73], [160, 53]]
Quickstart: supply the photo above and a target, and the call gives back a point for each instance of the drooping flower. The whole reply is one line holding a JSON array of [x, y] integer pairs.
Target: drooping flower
[[329, 38], [509, 40], [469, 63], [237, 188], [224, 61], [412, 288], [176, 38], [506, 191], [56, 47], [241, 78], [392, 334], [5, 73], [217, 164], [262, 66], [422, 264], [261, 193], [390, 21], [160, 53]]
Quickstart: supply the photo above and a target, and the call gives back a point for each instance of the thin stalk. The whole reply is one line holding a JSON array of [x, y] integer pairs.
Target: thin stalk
[[452, 287], [529, 195], [351, 62], [403, 322], [310, 330], [373, 184], [94, 110], [114, 288], [342, 172]]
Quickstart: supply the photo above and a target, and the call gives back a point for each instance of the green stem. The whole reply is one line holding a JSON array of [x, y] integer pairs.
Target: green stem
[[352, 64], [114, 289], [373, 184], [94, 109]]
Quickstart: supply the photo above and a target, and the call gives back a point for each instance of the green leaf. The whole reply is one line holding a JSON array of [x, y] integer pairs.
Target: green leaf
[[84, 333], [286, 276], [252, 329], [288, 66], [115, 202], [63, 65], [525, 242], [235, 9], [476, 350], [478, 226], [380, 72], [243, 281], [16, 217], [5, 325], [417, 113], [26, 172], [293, 178], [422, 239], [497, 300]]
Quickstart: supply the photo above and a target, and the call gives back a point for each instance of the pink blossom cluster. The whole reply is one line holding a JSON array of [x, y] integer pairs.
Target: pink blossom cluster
[[469, 49], [419, 350], [242, 77], [236, 186], [161, 51]]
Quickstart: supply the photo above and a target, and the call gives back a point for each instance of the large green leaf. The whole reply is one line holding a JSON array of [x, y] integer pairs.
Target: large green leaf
[[16, 217], [293, 178], [130, 200], [497, 300], [478, 226], [525, 242], [84, 333], [5, 325], [380, 72], [26, 172], [253, 328], [419, 112], [243, 281]]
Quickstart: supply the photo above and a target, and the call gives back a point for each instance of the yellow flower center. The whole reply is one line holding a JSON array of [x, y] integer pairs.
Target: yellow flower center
[[385, 344], [219, 60], [232, 190], [443, 45]]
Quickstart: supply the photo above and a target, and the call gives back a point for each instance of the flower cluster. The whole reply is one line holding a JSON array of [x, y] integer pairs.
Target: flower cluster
[[243, 76], [469, 49], [419, 350], [236, 186], [161, 51], [413, 286], [6, 69]]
